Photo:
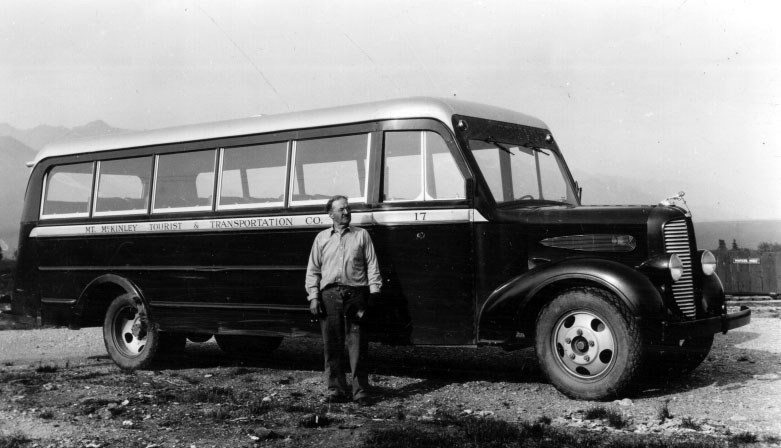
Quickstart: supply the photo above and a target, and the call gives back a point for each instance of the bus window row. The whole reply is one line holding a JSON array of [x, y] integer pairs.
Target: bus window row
[[417, 166]]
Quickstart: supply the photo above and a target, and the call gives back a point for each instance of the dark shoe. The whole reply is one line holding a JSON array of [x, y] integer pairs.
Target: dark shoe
[[364, 402]]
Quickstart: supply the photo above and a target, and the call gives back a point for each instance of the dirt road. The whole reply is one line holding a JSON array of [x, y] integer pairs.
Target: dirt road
[[737, 389]]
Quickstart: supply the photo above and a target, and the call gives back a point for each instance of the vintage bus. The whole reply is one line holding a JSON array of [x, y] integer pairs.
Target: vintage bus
[[200, 231]]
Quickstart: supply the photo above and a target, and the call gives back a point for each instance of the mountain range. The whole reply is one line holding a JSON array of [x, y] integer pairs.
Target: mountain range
[[40, 136], [19, 146]]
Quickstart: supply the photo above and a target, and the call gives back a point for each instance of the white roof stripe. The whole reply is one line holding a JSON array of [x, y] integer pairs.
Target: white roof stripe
[[419, 107]]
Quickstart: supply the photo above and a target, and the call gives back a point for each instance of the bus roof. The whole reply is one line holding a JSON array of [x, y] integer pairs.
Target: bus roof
[[419, 107]]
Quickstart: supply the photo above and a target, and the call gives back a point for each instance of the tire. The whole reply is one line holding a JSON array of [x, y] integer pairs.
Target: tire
[[242, 346], [131, 339], [588, 344], [681, 358]]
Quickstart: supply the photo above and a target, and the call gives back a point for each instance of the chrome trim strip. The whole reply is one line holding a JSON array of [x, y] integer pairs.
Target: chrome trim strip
[[170, 268], [57, 301], [232, 306], [395, 217], [412, 217]]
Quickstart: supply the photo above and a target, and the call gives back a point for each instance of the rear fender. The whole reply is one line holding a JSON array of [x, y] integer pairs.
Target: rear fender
[[513, 307], [94, 300]]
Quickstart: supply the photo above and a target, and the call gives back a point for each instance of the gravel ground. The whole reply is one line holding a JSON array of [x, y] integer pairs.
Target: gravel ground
[[737, 389]]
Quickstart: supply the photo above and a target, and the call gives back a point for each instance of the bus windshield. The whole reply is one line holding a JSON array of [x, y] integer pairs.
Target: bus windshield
[[521, 173]]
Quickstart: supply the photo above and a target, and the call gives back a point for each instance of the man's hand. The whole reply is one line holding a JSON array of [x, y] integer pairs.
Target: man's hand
[[314, 307], [368, 307]]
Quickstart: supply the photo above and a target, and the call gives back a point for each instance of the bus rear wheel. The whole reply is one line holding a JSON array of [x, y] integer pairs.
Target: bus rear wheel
[[243, 346], [131, 338], [588, 344]]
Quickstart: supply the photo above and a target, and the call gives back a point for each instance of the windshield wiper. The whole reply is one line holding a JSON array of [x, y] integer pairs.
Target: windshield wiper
[[534, 148], [493, 141], [504, 148]]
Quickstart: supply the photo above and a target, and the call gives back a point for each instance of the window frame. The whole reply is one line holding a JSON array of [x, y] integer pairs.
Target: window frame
[[373, 183], [422, 126], [196, 208], [310, 202], [539, 137], [254, 205], [45, 189], [96, 187]]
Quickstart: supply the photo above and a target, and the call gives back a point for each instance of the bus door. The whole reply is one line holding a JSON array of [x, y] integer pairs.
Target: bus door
[[424, 241]]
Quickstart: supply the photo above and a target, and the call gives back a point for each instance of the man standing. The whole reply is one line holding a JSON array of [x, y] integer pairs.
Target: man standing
[[341, 273]]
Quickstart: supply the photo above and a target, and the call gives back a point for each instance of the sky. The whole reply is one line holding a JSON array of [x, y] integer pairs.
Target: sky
[[660, 95]]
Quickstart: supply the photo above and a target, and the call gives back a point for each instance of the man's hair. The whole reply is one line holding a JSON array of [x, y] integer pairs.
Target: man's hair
[[330, 202]]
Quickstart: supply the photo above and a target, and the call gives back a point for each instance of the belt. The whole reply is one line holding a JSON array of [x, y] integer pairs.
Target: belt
[[339, 285]]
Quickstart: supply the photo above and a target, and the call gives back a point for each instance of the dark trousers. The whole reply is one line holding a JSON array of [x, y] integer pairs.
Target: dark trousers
[[341, 325]]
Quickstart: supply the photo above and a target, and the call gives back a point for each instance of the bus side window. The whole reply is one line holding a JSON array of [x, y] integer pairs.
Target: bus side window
[[418, 166], [68, 191], [325, 167], [443, 179], [123, 186], [253, 176], [402, 175], [184, 181]]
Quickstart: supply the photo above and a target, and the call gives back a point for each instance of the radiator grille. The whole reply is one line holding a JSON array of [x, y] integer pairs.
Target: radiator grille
[[676, 241]]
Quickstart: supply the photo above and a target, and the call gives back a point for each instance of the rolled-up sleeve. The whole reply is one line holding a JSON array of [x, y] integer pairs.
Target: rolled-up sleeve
[[372, 266], [314, 271]]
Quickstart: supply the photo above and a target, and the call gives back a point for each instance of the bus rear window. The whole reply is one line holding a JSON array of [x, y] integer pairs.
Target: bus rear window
[[68, 191]]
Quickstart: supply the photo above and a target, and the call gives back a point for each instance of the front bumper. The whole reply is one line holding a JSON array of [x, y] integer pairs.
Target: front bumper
[[675, 331]]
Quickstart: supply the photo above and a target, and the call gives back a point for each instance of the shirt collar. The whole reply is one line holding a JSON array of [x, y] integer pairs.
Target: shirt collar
[[346, 229]]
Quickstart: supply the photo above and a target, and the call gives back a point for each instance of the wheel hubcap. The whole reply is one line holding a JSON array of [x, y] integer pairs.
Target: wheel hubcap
[[130, 332], [584, 344]]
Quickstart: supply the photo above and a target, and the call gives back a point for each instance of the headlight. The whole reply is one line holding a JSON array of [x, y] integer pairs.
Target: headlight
[[663, 267], [708, 261], [676, 267]]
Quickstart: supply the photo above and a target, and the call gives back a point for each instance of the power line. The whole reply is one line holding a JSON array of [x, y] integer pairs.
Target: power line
[[246, 56], [373, 63]]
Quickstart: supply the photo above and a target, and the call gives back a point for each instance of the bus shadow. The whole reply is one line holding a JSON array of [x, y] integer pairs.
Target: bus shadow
[[728, 366], [436, 367]]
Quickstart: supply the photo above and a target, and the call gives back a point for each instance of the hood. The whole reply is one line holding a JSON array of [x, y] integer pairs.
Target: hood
[[590, 215]]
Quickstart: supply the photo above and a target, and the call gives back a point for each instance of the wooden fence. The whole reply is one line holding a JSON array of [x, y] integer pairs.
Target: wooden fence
[[744, 271]]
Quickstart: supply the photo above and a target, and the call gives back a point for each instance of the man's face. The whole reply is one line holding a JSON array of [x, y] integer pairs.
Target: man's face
[[340, 213]]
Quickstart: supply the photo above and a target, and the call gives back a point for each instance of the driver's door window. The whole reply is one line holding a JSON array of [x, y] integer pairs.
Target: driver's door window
[[418, 166]]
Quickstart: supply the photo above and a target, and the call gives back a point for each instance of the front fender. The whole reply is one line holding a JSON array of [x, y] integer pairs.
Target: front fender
[[501, 314], [713, 297]]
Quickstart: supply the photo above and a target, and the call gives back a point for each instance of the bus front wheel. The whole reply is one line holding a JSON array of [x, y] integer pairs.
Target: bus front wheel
[[131, 338], [588, 344]]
